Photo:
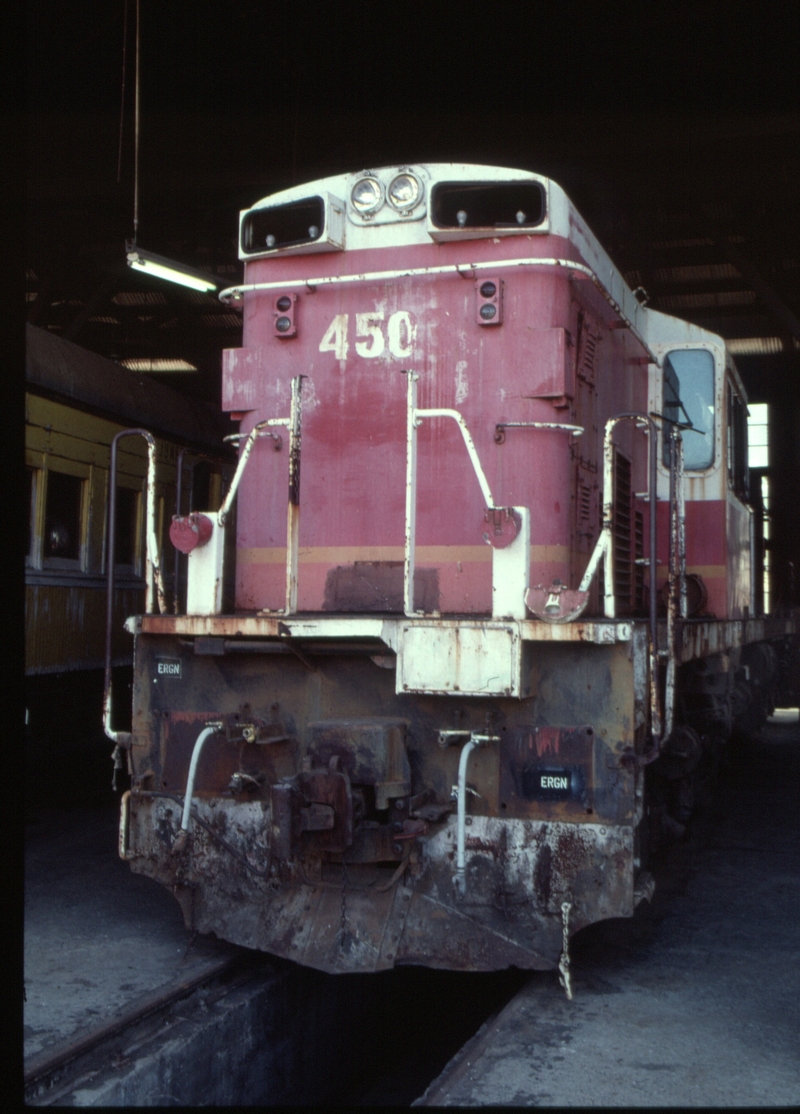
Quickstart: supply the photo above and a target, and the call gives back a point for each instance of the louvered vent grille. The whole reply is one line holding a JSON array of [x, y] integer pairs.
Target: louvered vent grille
[[588, 355], [584, 504]]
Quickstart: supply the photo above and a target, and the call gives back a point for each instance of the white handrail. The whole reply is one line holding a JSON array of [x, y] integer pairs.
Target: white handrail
[[235, 293]]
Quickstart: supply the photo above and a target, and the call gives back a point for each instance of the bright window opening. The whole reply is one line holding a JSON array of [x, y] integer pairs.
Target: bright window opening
[[767, 532], [758, 457], [758, 436]]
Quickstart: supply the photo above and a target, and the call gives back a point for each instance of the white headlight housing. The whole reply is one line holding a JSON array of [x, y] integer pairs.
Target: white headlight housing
[[405, 191], [367, 195]]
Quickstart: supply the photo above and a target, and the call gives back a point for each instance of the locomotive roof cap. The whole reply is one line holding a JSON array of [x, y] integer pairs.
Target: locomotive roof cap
[[438, 201], [426, 203]]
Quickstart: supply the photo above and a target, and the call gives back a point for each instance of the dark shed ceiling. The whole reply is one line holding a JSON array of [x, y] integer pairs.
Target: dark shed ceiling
[[674, 128]]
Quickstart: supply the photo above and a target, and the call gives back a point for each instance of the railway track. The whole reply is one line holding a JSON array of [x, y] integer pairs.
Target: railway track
[[55, 1072]]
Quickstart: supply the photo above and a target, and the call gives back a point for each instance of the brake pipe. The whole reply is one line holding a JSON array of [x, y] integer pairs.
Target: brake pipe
[[209, 730], [473, 742]]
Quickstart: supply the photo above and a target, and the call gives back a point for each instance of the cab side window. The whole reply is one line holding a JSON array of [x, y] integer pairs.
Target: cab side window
[[689, 399], [737, 442]]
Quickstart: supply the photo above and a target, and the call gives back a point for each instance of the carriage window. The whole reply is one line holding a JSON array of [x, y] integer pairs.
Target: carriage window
[[126, 514], [689, 398], [62, 517], [206, 487], [31, 484]]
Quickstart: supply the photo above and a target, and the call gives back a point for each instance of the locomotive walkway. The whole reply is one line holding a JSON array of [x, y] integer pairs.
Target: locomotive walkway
[[696, 1002]]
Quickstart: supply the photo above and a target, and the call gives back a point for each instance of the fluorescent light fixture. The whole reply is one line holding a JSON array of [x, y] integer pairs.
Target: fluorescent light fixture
[[148, 263]]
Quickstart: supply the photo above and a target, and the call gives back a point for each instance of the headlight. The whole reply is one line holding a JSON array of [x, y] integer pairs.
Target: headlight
[[405, 191], [367, 195]]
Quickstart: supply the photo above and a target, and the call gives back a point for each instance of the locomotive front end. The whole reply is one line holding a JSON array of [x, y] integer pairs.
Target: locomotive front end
[[416, 735]]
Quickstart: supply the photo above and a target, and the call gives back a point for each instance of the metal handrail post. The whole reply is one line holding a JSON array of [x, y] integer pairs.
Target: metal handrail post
[[153, 579], [411, 493]]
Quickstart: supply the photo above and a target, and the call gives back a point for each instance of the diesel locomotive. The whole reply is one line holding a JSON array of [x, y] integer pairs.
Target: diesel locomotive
[[494, 599]]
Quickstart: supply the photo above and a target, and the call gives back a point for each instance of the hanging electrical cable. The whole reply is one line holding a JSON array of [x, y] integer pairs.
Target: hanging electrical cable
[[122, 94], [147, 262], [136, 135]]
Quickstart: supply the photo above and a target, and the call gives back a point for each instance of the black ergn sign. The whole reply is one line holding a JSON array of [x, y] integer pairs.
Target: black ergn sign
[[167, 668]]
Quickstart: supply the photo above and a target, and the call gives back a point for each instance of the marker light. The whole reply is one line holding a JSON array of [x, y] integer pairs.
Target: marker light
[[367, 195], [284, 324], [149, 263], [405, 191], [489, 304], [461, 217], [313, 232]]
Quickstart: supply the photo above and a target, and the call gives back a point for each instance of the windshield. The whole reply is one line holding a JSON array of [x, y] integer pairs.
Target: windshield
[[689, 399]]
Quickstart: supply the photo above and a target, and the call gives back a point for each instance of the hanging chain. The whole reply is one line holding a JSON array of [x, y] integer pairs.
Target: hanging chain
[[563, 963]]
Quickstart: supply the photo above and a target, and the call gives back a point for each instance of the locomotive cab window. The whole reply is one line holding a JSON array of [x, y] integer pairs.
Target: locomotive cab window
[[63, 518], [689, 399], [738, 477]]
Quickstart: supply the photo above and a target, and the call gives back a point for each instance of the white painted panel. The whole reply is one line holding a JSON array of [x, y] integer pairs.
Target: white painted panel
[[204, 587], [510, 573], [473, 660]]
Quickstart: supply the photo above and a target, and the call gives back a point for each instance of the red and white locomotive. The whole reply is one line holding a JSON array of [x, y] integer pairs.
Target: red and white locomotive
[[443, 717]]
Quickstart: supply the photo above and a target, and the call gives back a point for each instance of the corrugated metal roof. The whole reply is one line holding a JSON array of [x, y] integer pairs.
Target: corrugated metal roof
[[140, 298], [221, 320], [673, 302], [758, 346], [701, 272]]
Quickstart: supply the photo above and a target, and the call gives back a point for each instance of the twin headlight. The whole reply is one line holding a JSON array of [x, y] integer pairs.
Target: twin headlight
[[369, 194]]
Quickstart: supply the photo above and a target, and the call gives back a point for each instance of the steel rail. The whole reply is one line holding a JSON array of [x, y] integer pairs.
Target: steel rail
[[52, 1060]]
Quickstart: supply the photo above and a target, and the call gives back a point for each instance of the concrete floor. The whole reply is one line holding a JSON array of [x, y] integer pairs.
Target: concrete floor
[[696, 1001], [98, 938]]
